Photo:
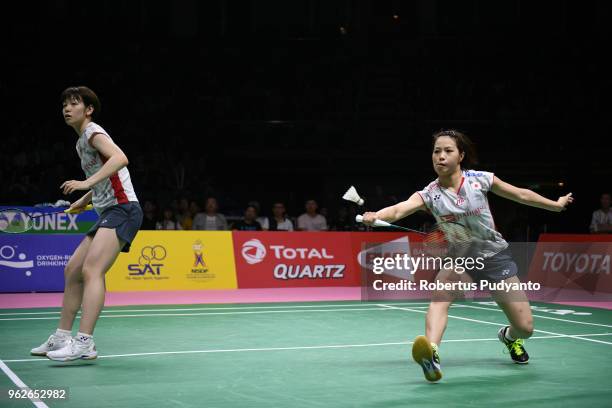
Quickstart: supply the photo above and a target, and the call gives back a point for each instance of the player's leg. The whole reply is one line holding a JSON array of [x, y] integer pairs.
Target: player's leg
[[73, 294], [425, 348], [518, 311], [73, 286], [102, 253], [441, 300]]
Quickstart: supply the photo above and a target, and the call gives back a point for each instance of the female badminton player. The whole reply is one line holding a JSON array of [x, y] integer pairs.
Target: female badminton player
[[460, 195], [110, 190]]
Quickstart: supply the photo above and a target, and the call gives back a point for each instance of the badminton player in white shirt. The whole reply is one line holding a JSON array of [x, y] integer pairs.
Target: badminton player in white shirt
[[459, 194], [110, 190]]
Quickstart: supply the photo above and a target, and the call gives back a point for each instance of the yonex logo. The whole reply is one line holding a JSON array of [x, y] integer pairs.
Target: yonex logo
[[253, 251]]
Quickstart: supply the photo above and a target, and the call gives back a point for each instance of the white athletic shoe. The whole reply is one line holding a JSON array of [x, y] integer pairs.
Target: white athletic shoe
[[75, 349], [54, 342]]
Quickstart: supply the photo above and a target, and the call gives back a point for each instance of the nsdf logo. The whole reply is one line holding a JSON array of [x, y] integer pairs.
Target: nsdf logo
[[150, 262], [199, 270]]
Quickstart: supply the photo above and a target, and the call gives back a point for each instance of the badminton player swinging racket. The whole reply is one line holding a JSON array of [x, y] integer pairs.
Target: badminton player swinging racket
[[460, 195], [109, 188]]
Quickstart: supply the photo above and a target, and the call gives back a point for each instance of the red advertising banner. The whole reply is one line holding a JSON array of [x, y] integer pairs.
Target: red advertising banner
[[368, 246], [576, 262], [294, 259]]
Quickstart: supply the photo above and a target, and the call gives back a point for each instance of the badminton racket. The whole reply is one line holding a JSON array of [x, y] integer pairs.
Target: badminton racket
[[443, 238], [16, 220]]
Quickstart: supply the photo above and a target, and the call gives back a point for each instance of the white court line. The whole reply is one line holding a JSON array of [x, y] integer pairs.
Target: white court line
[[544, 317], [500, 324], [217, 308], [210, 314], [321, 347], [17, 381]]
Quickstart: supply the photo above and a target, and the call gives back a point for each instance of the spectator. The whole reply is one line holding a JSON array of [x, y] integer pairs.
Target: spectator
[[310, 220], [279, 220], [185, 217], [210, 220], [149, 221], [263, 221], [601, 222], [168, 222], [249, 222], [194, 208]]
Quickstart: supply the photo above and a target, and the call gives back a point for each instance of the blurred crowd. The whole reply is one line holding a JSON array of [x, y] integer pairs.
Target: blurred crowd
[[291, 121], [183, 214]]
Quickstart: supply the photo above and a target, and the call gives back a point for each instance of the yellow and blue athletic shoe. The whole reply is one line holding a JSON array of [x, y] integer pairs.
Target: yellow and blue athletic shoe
[[426, 355]]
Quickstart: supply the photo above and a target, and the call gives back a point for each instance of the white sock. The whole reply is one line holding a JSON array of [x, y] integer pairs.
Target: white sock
[[507, 334], [83, 337], [63, 333]]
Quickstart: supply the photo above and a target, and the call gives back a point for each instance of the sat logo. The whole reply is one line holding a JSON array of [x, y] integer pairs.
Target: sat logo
[[149, 261]]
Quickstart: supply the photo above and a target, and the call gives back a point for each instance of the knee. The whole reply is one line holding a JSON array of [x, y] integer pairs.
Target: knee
[[90, 273], [72, 274], [439, 306]]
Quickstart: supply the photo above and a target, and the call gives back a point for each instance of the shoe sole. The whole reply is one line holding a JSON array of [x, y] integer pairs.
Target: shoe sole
[[422, 353], [66, 359]]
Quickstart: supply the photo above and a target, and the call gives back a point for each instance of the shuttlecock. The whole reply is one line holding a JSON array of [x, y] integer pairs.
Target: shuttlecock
[[351, 195]]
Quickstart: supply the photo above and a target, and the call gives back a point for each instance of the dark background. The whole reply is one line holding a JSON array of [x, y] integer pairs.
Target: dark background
[[268, 100]]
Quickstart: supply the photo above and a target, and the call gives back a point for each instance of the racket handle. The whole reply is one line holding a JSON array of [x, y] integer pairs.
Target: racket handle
[[87, 207], [377, 223]]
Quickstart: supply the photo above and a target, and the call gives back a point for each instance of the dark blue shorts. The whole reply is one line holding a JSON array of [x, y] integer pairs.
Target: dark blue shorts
[[124, 218], [497, 268]]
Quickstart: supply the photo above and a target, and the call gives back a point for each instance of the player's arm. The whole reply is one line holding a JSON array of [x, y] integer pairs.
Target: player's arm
[[83, 201], [79, 205], [397, 211], [116, 161], [528, 197]]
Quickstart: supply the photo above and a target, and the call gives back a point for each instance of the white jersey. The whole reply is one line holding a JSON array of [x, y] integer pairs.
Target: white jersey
[[117, 189], [468, 206]]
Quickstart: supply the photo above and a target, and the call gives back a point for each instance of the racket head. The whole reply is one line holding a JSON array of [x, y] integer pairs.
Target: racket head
[[448, 239], [15, 221]]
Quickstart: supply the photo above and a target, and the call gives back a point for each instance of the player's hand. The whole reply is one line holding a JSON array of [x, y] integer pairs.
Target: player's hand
[[369, 218], [70, 186], [564, 201]]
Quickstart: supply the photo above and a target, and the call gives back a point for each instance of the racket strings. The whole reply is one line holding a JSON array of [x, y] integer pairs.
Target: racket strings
[[448, 239], [14, 221]]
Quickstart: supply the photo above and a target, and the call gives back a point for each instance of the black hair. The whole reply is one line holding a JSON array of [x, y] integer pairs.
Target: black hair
[[83, 93], [464, 145]]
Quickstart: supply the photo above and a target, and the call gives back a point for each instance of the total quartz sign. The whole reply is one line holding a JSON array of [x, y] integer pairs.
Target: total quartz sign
[[294, 259]]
